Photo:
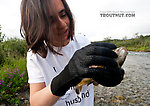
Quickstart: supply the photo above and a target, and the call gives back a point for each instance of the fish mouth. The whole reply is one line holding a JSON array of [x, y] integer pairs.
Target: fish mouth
[[122, 53]]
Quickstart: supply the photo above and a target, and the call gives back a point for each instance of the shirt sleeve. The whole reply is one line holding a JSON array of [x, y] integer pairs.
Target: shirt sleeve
[[82, 40], [33, 69]]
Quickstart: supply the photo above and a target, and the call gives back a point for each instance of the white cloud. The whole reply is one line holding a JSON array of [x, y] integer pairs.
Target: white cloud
[[89, 22], [87, 18], [10, 17]]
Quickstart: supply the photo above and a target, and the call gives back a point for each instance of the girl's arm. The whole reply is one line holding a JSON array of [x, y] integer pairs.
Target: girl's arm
[[40, 95]]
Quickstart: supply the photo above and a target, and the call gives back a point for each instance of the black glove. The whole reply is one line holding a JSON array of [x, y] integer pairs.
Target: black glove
[[110, 74], [107, 76], [78, 66]]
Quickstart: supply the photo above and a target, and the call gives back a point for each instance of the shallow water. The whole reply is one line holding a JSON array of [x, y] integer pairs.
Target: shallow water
[[134, 89]]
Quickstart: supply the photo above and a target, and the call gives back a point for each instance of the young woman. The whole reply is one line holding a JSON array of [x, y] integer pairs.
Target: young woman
[[58, 60]]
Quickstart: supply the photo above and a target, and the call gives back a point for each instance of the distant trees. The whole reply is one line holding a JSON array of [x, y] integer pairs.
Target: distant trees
[[137, 35], [1, 35], [137, 43], [107, 38], [1, 51], [11, 48]]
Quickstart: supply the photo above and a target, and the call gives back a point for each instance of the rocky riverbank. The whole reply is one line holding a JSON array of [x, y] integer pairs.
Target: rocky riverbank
[[134, 89]]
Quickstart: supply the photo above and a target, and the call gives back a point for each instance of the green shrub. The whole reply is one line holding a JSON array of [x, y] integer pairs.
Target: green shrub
[[13, 74], [14, 47], [12, 78], [2, 36], [2, 56], [139, 43]]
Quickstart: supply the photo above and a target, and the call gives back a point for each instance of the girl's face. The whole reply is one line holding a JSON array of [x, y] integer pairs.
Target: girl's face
[[60, 24]]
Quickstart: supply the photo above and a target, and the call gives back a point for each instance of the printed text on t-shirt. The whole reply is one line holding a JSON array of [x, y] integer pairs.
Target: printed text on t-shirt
[[78, 99]]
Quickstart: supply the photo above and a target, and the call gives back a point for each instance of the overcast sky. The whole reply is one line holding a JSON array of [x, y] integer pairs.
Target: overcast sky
[[88, 20]]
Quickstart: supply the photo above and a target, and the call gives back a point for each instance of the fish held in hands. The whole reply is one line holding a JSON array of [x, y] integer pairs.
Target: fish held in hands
[[121, 52]]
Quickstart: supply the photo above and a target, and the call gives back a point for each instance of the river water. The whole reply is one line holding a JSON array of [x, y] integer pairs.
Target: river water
[[134, 90]]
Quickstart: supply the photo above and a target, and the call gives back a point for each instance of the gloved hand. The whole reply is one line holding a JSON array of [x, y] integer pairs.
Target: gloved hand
[[78, 67], [107, 76]]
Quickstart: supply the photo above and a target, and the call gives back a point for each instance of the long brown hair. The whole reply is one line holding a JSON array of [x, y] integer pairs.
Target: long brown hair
[[35, 25]]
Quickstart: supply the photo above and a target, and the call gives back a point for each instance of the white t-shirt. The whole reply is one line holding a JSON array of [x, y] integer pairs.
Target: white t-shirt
[[45, 69]]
